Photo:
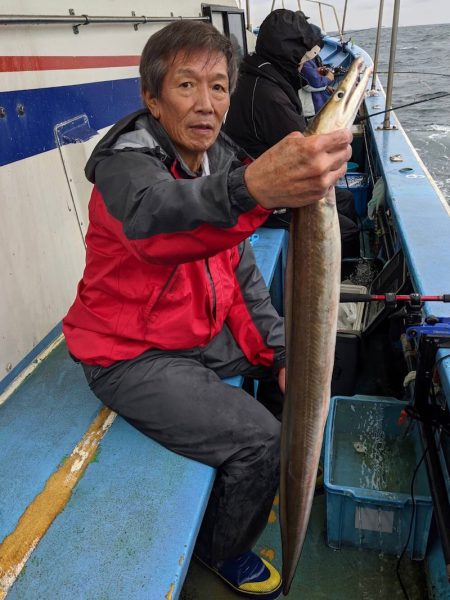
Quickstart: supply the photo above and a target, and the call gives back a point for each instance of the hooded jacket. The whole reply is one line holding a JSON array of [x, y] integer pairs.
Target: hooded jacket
[[283, 39], [265, 106], [167, 264]]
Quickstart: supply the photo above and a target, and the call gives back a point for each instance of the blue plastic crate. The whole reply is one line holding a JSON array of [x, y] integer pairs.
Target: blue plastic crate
[[358, 184], [369, 463]]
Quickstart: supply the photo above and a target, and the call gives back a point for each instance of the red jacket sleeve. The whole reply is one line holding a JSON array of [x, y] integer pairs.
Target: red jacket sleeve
[[171, 221]]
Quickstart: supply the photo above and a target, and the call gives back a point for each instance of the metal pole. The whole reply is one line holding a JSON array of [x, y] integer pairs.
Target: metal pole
[[321, 16], [273, 4], [343, 18], [386, 122], [247, 8], [335, 15], [88, 20], [377, 45]]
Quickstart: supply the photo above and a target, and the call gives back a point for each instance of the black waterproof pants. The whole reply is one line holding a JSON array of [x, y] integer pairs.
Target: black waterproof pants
[[179, 400]]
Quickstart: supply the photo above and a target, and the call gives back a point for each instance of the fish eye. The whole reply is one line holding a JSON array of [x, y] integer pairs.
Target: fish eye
[[340, 94]]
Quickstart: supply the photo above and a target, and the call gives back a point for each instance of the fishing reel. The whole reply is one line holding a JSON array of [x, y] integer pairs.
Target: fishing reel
[[339, 70], [336, 70]]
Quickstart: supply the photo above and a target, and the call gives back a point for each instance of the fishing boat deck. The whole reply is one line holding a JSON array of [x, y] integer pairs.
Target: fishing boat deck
[[323, 573]]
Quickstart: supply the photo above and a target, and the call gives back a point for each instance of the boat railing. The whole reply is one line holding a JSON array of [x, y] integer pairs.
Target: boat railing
[[390, 83], [393, 46], [377, 45], [78, 20], [322, 23]]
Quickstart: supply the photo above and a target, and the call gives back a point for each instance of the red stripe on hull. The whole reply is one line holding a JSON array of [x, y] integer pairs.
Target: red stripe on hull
[[10, 64]]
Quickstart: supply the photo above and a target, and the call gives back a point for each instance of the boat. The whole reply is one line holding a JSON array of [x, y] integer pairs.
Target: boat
[[126, 528]]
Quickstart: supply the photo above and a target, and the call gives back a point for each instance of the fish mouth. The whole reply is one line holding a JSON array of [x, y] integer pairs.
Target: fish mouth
[[351, 93], [340, 111]]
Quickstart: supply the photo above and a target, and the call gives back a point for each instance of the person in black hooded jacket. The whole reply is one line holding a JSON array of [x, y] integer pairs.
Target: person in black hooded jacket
[[265, 106]]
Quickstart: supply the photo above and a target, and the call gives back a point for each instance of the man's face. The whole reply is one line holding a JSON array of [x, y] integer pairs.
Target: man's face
[[193, 101]]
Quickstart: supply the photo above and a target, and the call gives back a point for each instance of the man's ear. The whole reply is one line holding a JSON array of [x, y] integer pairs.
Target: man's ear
[[152, 104]]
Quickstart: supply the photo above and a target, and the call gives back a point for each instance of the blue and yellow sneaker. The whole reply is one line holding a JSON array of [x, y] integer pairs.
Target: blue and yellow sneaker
[[250, 576]]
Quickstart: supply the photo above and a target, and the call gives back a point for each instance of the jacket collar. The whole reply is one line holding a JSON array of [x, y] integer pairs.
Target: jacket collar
[[140, 132]]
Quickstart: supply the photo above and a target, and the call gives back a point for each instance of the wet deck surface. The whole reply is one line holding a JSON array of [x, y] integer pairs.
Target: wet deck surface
[[323, 573]]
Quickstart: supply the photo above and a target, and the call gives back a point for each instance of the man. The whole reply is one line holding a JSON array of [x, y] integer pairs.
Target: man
[[171, 300], [315, 90], [266, 107]]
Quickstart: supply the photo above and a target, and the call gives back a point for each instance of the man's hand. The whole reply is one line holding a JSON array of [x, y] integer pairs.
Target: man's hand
[[298, 170], [328, 73]]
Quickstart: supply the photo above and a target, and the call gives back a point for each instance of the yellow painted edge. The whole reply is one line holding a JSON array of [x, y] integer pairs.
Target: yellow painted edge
[[46, 506], [169, 595]]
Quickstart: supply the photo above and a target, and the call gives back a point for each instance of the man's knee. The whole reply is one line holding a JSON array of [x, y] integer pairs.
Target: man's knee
[[261, 447]]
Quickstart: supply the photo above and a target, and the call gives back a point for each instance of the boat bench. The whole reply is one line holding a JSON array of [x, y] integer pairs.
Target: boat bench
[[130, 525]]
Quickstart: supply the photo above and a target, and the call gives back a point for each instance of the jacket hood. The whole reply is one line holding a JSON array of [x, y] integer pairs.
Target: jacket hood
[[140, 132], [319, 33], [283, 39]]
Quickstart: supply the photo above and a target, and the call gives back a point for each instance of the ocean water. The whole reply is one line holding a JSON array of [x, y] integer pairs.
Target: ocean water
[[422, 62]]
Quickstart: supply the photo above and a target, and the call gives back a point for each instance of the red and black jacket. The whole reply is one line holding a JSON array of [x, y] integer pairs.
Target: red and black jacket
[[167, 264]]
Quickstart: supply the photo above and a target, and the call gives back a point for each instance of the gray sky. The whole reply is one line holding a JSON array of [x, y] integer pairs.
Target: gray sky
[[361, 14]]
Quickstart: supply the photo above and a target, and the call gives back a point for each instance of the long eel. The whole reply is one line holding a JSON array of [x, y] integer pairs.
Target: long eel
[[311, 307]]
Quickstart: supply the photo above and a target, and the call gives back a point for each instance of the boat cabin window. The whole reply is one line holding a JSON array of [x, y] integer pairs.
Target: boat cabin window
[[230, 21]]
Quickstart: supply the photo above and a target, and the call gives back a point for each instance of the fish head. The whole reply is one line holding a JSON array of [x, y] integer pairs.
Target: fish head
[[341, 109]]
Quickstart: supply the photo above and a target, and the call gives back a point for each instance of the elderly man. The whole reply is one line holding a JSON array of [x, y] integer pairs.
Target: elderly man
[[171, 300]]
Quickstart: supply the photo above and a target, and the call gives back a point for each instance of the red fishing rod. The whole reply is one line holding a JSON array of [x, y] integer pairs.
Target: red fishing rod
[[391, 298]]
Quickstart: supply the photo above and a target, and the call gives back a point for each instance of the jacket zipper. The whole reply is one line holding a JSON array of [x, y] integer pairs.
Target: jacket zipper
[[213, 289], [164, 289]]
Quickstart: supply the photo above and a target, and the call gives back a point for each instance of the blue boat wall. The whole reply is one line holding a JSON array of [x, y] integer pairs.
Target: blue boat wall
[[420, 212]]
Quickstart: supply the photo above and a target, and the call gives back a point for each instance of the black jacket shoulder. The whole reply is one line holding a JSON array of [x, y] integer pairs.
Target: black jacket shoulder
[[264, 107]]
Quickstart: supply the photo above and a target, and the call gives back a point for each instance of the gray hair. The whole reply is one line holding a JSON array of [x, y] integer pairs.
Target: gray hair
[[187, 37]]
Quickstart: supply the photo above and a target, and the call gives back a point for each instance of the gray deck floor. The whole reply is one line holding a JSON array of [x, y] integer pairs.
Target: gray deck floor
[[323, 573]]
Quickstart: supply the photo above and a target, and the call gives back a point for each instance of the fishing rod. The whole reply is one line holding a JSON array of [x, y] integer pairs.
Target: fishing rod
[[392, 298], [416, 73], [382, 112]]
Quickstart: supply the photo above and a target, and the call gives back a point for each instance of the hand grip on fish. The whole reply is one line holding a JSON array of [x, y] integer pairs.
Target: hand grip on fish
[[311, 307]]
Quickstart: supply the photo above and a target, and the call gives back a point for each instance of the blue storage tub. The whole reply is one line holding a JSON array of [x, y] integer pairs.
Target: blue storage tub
[[358, 184], [369, 463]]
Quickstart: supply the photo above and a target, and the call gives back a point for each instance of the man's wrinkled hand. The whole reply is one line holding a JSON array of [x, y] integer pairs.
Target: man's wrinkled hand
[[298, 170]]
